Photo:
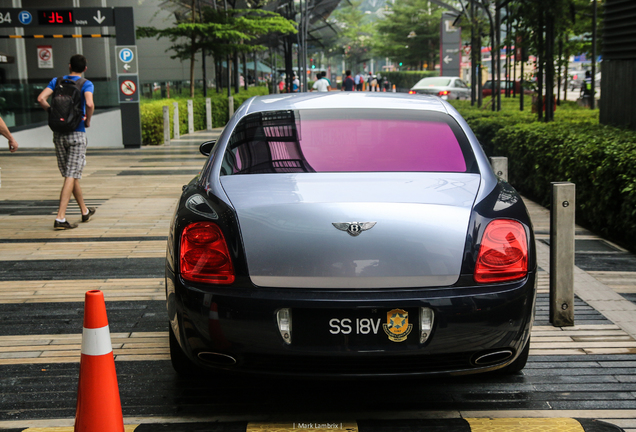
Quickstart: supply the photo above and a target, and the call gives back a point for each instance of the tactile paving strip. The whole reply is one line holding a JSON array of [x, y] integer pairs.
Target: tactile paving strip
[[524, 425]]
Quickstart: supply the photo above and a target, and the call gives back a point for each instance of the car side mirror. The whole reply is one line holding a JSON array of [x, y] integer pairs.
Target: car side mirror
[[206, 147]]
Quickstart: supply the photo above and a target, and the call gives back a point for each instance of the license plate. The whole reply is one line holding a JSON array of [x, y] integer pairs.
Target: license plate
[[353, 327]]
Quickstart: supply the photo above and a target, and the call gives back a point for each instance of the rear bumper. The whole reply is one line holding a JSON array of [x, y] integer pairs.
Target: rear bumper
[[241, 323]]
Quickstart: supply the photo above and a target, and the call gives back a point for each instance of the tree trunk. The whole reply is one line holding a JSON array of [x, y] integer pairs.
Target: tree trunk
[[192, 61], [256, 66], [218, 75], [193, 41], [540, 61], [237, 84], [549, 66], [244, 71]]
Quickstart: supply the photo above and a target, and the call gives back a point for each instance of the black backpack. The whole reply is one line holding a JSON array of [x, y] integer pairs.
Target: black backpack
[[66, 111]]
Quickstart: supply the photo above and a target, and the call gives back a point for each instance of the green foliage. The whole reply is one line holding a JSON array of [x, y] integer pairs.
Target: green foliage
[[407, 79], [355, 34], [409, 33], [600, 160], [220, 32], [152, 113]]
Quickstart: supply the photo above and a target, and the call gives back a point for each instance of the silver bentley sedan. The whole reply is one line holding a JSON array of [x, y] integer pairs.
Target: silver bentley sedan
[[349, 235]]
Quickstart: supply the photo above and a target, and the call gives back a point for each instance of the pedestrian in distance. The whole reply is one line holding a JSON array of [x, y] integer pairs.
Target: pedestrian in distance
[[295, 84], [70, 113], [359, 81], [4, 131], [373, 83], [586, 90], [586, 85], [348, 83], [323, 75], [321, 85]]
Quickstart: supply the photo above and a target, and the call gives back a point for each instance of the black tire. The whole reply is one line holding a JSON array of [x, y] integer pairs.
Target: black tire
[[180, 362], [517, 365]]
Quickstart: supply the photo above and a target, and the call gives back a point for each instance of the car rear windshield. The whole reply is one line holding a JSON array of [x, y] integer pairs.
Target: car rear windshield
[[339, 140], [433, 82]]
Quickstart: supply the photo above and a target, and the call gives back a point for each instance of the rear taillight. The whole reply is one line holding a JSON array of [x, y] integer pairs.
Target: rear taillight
[[204, 254], [443, 93], [503, 254], [412, 92]]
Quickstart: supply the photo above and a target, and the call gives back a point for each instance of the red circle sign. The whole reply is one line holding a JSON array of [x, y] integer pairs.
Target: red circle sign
[[128, 88], [45, 54]]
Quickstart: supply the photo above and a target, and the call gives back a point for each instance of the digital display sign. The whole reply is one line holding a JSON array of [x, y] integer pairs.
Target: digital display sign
[[55, 17]]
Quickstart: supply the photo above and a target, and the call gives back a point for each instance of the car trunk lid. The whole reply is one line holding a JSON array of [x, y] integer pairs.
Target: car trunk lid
[[292, 228]]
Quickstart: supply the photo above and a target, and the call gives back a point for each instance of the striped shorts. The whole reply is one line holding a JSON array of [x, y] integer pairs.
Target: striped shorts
[[71, 153]]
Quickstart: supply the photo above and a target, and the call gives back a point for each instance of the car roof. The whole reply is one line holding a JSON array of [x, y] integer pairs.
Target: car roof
[[341, 99]]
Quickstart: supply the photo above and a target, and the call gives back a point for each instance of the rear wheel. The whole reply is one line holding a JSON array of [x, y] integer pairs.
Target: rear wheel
[[519, 363], [180, 362]]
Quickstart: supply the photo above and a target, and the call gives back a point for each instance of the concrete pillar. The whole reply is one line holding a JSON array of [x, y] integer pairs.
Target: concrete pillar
[[175, 119], [208, 113], [20, 50], [190, 117], [500, 166], [166, 125], [562, 216]]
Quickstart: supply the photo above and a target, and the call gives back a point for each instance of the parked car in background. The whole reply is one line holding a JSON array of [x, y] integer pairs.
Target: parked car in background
[[445, 87], [349, 235], [486, 89]]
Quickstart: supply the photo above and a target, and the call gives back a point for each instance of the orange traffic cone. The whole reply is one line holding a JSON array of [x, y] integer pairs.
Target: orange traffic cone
[[98, 403]]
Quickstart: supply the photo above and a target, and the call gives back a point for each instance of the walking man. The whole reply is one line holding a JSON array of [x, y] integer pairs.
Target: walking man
[[70, 114]]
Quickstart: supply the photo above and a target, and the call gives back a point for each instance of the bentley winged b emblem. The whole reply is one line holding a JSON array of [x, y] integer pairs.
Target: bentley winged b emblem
[[354, 228]]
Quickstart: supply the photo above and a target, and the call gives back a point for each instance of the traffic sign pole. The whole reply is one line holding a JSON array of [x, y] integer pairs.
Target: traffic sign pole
[[450, 55], [130, 114]]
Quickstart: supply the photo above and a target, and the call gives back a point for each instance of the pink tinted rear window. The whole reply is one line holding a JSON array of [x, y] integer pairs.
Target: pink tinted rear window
[[347, 140], [359, 145]]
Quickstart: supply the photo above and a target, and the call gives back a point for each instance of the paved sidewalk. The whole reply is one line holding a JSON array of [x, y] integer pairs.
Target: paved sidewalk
[[599, 289]]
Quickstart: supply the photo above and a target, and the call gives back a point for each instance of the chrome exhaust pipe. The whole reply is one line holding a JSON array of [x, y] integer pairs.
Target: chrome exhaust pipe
[[492, 357], [217, 358]]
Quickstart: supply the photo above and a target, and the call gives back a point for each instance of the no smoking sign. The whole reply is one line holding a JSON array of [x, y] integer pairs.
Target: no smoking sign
[[45, 57], [128, 85]]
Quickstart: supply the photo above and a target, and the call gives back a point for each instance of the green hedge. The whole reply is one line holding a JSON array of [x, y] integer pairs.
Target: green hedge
[[407, 79], [600, 160], [152, 113]]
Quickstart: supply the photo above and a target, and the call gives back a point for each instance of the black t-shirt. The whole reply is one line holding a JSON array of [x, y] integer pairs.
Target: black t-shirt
[[349, 83]]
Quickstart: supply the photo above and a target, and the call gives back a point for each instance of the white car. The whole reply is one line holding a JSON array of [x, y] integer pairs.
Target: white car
[[445, 87]]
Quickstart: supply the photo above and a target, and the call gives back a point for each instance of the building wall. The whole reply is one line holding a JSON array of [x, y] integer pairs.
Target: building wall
[[618, 86], [154, 61]]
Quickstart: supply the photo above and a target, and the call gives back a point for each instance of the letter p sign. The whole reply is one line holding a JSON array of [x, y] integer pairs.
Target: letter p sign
[[126, 55]]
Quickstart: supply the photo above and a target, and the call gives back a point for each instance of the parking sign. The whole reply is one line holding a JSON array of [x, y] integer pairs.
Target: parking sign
[[25, 17], [126, 60], [126, 55]]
